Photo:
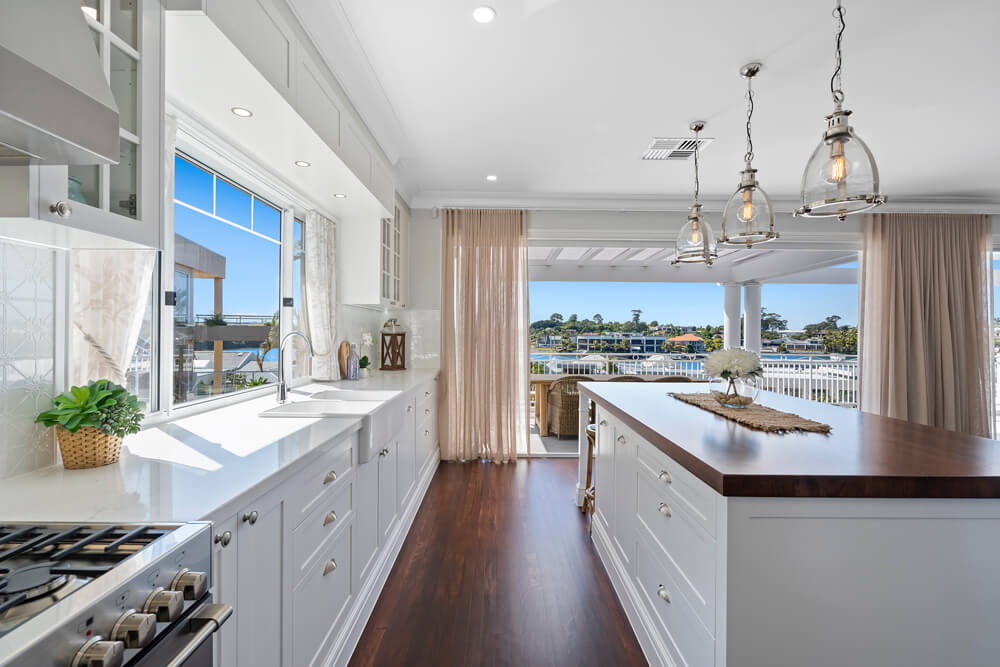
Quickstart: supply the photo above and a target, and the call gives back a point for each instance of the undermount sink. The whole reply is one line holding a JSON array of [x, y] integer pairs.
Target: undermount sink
[[381, 418]]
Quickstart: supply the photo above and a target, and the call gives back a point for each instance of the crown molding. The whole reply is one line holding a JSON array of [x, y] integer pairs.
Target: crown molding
[[659, 203]]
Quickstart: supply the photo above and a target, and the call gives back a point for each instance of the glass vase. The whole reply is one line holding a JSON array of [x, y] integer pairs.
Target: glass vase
[[735, 392], [353, 363]]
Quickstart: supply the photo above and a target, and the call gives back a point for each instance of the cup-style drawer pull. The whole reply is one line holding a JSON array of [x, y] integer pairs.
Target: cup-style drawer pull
[[330, 477], [621, 439], [604, 422], [329, 518], [250, 517], [224, 539], [664, 476], [330, 566], [662, 592], [665, 509]]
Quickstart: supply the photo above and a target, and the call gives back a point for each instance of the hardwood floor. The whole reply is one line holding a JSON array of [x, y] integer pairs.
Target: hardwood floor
[[498, 569]]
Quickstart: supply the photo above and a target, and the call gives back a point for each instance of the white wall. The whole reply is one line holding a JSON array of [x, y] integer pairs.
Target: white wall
[[27, 355]]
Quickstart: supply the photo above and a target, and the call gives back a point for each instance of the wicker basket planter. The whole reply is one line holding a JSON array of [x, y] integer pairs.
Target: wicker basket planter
[[88, 448]]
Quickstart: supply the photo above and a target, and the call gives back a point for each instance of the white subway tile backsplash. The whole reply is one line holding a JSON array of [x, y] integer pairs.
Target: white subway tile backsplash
[[27, 353]]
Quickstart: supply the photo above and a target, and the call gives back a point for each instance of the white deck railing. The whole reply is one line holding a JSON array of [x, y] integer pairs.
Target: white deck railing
[[825, 380]]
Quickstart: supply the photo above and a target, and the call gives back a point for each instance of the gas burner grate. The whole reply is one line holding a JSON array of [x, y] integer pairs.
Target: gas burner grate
[[82, 542]]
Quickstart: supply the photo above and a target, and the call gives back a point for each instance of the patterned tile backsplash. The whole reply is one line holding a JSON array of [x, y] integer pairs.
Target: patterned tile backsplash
[[27, 348]]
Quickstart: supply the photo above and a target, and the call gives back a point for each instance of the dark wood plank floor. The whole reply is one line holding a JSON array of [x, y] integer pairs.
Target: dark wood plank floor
[[498, 569]]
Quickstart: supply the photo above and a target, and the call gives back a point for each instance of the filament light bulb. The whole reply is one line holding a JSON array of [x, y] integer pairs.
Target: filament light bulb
[[835, 170], [695, 237], [748, 211]]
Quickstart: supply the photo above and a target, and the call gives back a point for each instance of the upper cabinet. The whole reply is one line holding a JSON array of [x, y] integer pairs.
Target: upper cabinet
[[374, 260]]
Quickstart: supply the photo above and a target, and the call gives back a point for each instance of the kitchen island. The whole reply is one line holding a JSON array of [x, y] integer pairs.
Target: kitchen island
[[875, 544]]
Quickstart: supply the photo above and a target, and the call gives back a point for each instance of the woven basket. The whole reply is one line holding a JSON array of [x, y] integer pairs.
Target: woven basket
[[88, 448]]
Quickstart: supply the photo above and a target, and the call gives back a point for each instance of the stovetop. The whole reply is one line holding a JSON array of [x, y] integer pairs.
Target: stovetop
[[43, 564]]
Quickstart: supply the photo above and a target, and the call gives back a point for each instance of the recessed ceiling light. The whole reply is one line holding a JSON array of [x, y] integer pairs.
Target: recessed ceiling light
[[491, 178], [484, 14], [302, 163], [340, 195], [241, 112]]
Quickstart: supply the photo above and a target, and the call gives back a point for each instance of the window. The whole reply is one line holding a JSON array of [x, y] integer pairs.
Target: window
[[227, 259]]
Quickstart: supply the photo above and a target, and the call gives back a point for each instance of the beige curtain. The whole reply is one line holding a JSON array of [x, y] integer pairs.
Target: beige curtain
[[925, 320], [319, 249], [484, 335]]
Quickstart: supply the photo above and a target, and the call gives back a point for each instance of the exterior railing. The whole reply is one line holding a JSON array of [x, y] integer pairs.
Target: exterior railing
[[826, 380]]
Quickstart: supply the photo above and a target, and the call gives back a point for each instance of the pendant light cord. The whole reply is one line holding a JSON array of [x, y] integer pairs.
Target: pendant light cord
[[697, 184], [835, 82], [748, 157]]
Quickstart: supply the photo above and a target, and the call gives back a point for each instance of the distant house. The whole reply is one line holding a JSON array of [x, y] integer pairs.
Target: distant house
[[805, 346], [687, 341], [593, 342]]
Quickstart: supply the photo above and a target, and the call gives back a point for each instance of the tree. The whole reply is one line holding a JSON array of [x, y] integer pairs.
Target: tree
[[556, 317], [771, 321], [636, 312], [598, 319], [572, 319]]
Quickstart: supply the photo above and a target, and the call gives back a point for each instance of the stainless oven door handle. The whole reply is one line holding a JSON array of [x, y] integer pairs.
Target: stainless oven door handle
[[203, 624]]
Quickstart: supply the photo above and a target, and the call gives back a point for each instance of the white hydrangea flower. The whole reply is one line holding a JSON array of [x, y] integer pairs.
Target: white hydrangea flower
[[734, 363]]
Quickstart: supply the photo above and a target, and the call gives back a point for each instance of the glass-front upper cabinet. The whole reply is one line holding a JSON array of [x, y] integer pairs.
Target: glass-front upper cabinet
[[121, 200], [392, 260]]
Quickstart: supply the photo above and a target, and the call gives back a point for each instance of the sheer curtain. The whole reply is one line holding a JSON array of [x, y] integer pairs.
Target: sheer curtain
[[484, 335], [319, 249], [926, 330]]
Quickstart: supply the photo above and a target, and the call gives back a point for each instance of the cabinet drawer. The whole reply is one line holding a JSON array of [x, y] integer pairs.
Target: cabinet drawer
[[426, 398], [319, 601], [687, 549], [308, 538], [311, 486], [425, 443], [683, 488], [683, 634]]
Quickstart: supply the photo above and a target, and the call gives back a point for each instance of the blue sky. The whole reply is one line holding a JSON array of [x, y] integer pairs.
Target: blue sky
[[688, 303]]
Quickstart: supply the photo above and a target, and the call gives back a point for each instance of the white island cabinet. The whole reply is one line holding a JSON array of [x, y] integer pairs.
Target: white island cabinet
[[304, 562], [873, 545]]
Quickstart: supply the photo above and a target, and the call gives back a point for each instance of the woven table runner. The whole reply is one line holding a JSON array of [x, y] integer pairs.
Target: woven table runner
[[756, 416]]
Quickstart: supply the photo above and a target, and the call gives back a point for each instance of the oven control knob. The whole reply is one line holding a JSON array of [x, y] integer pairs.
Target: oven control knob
[[165, 605], [192, 584], [134, 629], [100, 653]]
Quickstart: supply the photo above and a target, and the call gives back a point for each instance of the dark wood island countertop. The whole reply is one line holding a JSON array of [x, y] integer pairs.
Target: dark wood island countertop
[[864, 456]]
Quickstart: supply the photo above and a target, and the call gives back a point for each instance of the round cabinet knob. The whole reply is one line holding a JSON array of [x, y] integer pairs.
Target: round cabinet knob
[[409, 408], [329, 518], [250, 517], [621, 439], [665, 477], [330, 477], [427, 394], [165, 605], [193, 585], [224, 539], [665, 509], [133, 629], [662, 592], [61, 208], [100, 653], [604, 422], [330, 566]]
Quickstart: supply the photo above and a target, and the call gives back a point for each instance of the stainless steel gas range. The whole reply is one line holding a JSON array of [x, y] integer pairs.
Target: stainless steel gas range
[[107, 595]]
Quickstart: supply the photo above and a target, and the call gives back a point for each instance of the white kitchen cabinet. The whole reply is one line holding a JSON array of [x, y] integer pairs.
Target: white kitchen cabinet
[[387, 508], [604, 470], [224, 587], [374, 261], [303, 564], [260, 534]]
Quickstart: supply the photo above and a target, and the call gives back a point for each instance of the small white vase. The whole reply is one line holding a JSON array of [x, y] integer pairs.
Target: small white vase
[[364, 373]]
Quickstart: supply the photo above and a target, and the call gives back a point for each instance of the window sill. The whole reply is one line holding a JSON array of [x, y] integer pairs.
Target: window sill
[[214, 403]]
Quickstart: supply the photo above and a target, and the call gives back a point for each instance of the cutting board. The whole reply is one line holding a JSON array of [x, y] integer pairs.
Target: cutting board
[[342, 354]]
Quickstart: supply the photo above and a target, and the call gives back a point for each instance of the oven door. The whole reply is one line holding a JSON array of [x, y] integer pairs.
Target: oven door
[[189, 641]]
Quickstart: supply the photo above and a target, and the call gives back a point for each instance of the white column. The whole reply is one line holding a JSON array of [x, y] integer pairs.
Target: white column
[[731, 316], [751, 319]]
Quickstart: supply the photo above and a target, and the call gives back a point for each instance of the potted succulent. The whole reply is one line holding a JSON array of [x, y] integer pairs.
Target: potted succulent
[[91, 421], [364, 366], [735, 377]]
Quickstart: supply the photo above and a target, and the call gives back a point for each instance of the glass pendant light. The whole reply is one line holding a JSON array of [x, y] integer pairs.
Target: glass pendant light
[[696, 242], [841, 177], [748, 217]]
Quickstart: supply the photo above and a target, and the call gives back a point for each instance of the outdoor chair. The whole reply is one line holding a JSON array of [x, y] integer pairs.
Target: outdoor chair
[[564, 405], [673, 378], [627, 378]]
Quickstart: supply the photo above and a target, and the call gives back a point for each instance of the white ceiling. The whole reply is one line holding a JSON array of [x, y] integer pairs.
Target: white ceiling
[[559, 98]]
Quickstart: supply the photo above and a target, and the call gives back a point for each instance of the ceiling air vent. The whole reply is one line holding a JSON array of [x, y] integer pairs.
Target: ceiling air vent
[[674, 148]]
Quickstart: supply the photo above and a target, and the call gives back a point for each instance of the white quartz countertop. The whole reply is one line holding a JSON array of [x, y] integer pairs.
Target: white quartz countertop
[[189, 468]]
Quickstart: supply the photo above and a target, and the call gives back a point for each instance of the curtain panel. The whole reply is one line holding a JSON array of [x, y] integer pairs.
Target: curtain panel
[[484, 335], [319, 249], [926, 327]]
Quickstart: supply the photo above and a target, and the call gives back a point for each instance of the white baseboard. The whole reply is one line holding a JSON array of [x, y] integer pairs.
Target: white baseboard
[[642, 625], [347, 640]]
